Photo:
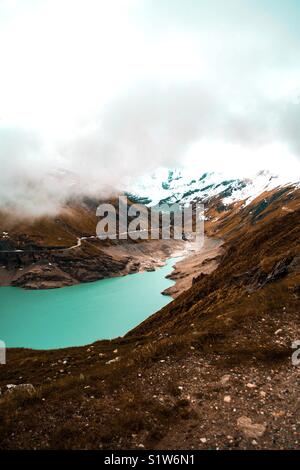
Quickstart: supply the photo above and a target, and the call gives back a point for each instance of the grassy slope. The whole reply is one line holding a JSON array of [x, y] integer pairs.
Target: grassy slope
[[250, 257], [75, 220]]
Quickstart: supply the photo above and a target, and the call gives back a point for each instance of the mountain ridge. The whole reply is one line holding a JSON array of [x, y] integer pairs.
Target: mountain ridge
[[180, 186]]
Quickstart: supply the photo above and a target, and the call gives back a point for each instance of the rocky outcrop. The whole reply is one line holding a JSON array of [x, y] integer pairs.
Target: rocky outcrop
[[257, 278], [65, 269], [41, 276]]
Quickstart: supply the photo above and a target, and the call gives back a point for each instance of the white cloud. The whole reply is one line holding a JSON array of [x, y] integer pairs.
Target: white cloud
[[102, 91]]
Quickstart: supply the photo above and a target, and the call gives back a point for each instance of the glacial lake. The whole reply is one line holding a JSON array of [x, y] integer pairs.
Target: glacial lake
[[81, 314]]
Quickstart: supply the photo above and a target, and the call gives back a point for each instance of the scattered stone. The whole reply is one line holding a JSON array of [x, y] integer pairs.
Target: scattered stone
[[278, 414], [27, 389], [203, 440], [250, 385], [116, 359], [227, 399], [263, 393], [225, 379], [251, 430], [278, 331]]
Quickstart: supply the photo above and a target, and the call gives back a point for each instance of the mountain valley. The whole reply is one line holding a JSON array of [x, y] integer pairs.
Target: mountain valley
[[212, 369]]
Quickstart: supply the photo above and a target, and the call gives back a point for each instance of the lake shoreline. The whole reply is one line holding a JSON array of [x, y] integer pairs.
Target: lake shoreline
[[90, 261], [81, 314], [198, 262], [105, 309]]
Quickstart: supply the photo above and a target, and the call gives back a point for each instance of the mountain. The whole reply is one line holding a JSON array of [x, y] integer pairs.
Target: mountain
[[184, 186]]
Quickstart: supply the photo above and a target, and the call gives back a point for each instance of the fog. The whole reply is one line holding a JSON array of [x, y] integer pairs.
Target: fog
[[95, 94]]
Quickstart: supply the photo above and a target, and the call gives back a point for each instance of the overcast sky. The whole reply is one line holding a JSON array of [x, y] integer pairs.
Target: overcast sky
[[94, 93]]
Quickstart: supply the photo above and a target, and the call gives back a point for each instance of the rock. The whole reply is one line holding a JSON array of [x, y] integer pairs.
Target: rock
[[170, 291], [227, 399], [251, 430], [43, 276], [27, 389], [203, 440], [225, 379], [199, 278], [52, 267], [278, 331], [116, 359], [278, 414], [262, 393], [149, 268], [250, 385]]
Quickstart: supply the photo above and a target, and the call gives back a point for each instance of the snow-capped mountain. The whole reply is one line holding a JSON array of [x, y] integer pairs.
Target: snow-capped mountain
[[184, 186]]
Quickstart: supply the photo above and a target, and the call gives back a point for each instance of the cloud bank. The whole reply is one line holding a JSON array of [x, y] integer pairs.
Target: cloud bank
[[95, 94]]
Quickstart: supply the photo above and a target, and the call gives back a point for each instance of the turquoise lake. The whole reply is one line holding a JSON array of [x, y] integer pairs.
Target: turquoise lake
[[81, 314]]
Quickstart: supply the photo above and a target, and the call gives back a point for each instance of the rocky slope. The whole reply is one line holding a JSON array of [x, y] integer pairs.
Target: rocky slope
[[212, 369]]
